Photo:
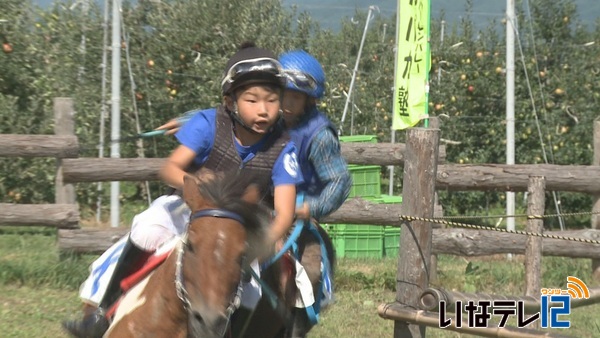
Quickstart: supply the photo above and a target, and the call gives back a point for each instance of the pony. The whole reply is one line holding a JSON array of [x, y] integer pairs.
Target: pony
[[289, 322], [195, 291]]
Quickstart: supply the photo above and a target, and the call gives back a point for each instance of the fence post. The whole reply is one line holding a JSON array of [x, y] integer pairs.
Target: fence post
[[596, 206], [536, 191], [64, 114], [418, 189], [434, 123]]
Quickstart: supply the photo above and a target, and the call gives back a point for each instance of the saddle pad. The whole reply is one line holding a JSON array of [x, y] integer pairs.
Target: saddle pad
[[152, 263]]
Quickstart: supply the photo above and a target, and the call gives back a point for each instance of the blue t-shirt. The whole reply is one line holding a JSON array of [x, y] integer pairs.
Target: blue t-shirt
[[198, 134]]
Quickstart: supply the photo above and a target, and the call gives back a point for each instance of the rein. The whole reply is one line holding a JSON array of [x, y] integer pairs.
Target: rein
[[182, 293]]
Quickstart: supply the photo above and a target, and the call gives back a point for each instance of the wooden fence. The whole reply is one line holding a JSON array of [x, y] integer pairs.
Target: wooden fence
[[64, 146]]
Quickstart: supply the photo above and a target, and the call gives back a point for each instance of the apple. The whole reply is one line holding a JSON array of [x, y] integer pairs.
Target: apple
[[169, 71], [479, 54], [471, 89], [7, 48], [173, 92], [139, 96], [150, 63], [463, 77], [559, 91], [542, 73], [499, 70]]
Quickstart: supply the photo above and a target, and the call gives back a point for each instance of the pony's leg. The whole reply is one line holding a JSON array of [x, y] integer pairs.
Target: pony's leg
[[309, 250], [310, 258]]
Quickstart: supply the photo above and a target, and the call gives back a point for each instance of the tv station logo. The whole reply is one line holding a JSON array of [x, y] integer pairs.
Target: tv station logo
[[555, 306]]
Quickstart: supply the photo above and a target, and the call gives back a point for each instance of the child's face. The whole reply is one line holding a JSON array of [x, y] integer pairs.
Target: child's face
[[258, 107], [293, 104]]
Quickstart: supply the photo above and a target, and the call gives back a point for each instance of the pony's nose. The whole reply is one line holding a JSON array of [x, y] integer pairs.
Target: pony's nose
[[215, 322]]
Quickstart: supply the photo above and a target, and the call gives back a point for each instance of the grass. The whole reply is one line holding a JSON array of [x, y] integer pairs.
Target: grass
[[38, 288]]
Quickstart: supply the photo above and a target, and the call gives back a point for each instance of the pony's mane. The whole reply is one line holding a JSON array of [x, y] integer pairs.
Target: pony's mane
[[224, 190]]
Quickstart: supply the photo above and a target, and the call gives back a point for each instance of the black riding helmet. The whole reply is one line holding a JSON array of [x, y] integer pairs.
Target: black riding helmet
[[251, 65]]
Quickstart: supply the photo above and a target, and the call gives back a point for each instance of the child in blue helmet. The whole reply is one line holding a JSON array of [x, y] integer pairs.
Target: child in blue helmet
[[243, 132], [327, 181]]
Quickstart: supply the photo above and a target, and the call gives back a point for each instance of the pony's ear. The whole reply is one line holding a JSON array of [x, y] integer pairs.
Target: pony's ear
[[191, 193], [252, 194]]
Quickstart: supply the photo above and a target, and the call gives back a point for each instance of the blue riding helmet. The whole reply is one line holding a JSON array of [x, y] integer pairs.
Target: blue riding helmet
[[303, 72]]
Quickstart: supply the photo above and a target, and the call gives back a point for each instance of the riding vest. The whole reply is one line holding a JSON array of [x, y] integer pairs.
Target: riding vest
[[224, 156], [302, 135]]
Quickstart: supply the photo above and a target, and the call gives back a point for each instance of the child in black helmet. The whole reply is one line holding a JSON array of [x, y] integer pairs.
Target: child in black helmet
[[243, 132]]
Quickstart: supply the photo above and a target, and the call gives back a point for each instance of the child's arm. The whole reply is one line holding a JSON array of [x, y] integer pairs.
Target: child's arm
[[172, 126], [332, 170], [172, 172], [285, 203]]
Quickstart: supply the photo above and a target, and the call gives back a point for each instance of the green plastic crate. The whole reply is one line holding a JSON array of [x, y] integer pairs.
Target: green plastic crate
[[358, 228], [387, 199], [363, 240], [357, 244], [359, 138], [366, 180], [391, 241]]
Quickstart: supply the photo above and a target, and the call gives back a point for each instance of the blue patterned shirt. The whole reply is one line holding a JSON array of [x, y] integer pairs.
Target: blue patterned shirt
[[332, 170]]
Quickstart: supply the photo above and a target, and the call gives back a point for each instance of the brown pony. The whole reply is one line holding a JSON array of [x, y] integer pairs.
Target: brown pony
[[289, 322], [194, 292]]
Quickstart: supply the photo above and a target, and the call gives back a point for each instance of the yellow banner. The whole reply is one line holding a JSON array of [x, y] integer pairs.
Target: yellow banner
[[413, 60]]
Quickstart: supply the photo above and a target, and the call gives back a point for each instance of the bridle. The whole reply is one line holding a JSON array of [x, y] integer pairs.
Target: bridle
[[182, 293]]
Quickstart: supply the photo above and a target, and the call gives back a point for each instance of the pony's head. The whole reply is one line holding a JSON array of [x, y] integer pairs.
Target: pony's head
[[226, 231]]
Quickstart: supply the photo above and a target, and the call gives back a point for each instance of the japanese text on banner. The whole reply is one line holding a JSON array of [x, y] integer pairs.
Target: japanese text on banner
[[412, 63]]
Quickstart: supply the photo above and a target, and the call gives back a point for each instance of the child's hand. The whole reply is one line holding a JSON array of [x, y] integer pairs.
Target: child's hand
[[171, 127], [303, 212]]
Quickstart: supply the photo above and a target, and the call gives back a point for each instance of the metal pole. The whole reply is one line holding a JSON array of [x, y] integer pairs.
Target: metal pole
[[510, 105], [362, 42], [393, 131], [115, 119], [85, 7], [103, 105], [439, 74]]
